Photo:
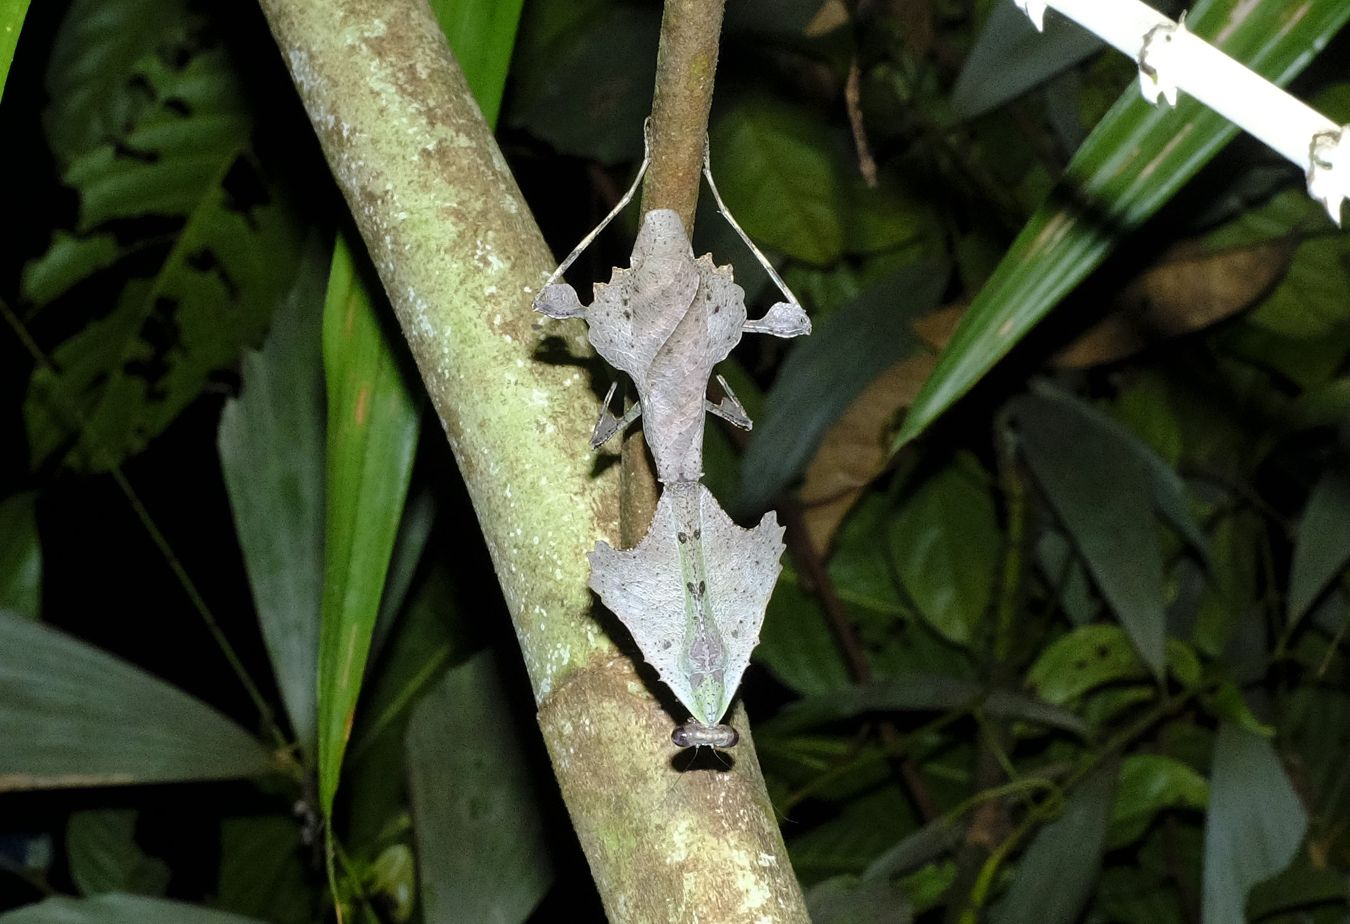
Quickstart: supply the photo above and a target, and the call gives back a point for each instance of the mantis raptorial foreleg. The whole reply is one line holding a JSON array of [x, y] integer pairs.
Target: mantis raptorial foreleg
[[608, 424], [729, 408]]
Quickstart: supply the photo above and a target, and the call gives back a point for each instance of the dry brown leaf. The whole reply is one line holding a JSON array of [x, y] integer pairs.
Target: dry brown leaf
[[855, 450], [1187, 291]]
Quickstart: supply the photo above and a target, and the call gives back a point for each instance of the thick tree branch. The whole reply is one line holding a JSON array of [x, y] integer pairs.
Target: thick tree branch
[[461, 258]]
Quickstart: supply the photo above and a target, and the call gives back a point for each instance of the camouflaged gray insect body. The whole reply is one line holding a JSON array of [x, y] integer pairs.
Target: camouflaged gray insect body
[[667, 322], [694, 590]]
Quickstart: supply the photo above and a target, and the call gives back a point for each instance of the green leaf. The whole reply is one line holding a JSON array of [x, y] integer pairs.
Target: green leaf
[[850, 900], [11, 24], [1254, 826], [172, 146], [1010, 57], [1057, 873], [947, 546], [119, 909], [424, 641], [271, 445], [71, 715], [1167, 488], [779, 174], [482, 34], [372, 438], [471, 784], [1104, 500], [918, 692], [1085, 659], [263, 865], [1149, 784], [69, 260], [1134, 161], [20, 556], [826, 371], [796, 644], [578, 57], [391, 882], [98, 47], [103, 855], [1322, 544]]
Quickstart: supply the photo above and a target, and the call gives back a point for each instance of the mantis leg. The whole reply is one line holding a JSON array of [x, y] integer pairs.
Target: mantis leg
[[608, 424], [730, 408], [785, 319]]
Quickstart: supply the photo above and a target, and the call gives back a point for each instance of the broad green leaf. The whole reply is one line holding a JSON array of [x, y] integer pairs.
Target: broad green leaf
[[853, 837], [1313, 719], [923, 693], [947, 547], [1149, 784], [73, 716], [1066, 575], [372, 438], [1322, 544], [471, 784], [20, 556], [103, 855], [1167, 487], [1085, 659], [11, 24], [482, 34], [264, 870], [1010, 57], [778, 171], [1057, 873], [271, 445], [796, 645], [826, 371], [101, 43], [119, 909], [1254, 826], [1133, 162], [419, 515], [424, 640], [70, 259], [850, 900], [578, 57], [172, 146], [1104, 500], [390, 882]]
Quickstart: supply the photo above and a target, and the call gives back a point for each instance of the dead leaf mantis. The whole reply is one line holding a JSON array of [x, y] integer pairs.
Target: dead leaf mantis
[[694, 590]]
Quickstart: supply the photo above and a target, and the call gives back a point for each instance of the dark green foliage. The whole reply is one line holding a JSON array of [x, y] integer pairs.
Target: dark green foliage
[[1075, 653]]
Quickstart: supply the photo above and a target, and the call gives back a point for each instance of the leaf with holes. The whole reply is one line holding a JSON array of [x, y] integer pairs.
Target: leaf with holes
[[207, 247]]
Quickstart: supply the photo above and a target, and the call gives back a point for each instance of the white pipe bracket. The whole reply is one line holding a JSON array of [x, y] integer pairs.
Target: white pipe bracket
[[1329, 170], [1035, 10], [1159, 58]]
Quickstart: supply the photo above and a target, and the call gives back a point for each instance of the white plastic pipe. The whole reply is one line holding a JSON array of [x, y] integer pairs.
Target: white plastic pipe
[[1171, 58]]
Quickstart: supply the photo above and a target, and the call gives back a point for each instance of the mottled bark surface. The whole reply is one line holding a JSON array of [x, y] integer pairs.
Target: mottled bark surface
[[461, 258]]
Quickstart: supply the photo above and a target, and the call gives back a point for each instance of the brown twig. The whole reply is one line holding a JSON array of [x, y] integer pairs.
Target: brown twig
[[867, 164]]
